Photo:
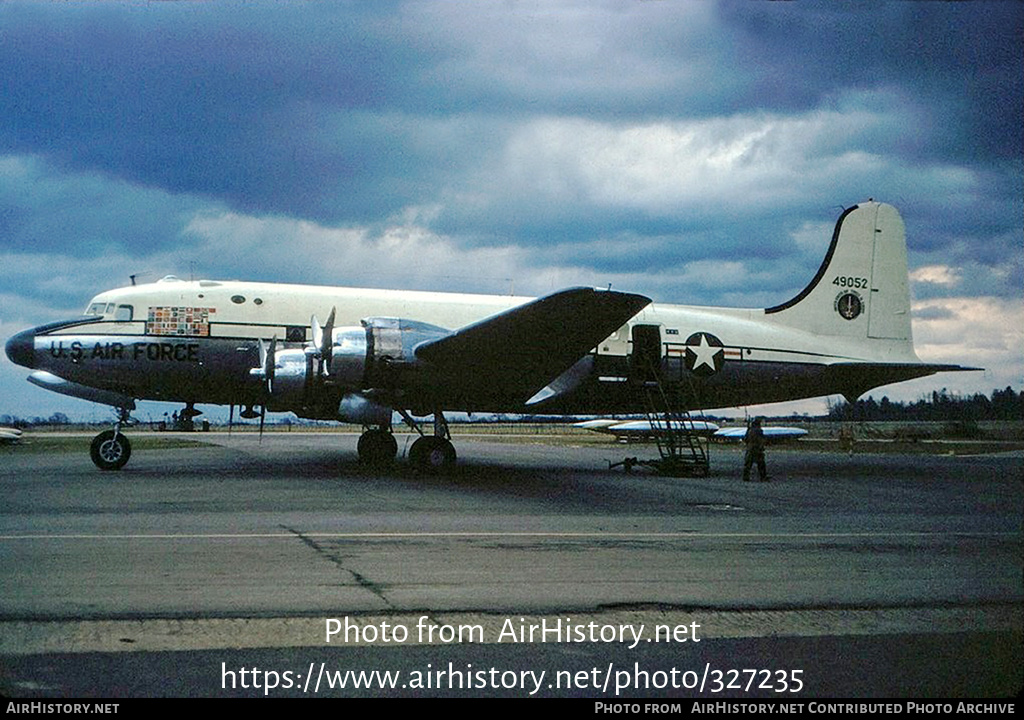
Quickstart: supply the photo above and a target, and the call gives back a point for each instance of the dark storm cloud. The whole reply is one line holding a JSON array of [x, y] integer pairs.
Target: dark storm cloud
[[219, 102], [85, 215], [348, 113], [962, 59]]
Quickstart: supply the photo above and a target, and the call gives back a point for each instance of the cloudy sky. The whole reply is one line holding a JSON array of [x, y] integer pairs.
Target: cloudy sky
[[697, 152]]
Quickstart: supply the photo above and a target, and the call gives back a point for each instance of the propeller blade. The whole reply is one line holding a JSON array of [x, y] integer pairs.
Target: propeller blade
[[263, 417], [263, 356], [317, 332], [327, 342], [269, 363]]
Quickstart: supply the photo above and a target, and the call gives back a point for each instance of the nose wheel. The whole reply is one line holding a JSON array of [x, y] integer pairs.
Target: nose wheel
[[110, 450]]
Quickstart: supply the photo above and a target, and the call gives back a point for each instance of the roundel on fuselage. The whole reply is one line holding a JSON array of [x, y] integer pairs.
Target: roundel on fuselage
[[705, 354]]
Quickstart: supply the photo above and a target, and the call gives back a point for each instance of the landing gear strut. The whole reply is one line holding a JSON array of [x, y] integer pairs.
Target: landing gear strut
[[110, 450]]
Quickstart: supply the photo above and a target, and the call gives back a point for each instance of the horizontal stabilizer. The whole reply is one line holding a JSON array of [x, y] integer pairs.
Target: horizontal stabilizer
[[523, 349], [855, 379]]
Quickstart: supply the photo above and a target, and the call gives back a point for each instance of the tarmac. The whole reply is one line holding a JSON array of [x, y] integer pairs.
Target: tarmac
[[876, 575]]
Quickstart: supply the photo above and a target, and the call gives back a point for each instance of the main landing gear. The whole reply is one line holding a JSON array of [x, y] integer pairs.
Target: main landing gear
[[429, 453], [377, 446], [110, 450], [432, 453]]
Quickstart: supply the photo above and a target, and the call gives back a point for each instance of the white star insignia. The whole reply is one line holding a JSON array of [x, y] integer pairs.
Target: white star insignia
[[705, 353]]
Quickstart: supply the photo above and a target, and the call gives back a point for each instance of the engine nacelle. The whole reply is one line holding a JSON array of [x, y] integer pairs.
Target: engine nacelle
[[354, 408], [289, 386], [350, 356], [361, 358]]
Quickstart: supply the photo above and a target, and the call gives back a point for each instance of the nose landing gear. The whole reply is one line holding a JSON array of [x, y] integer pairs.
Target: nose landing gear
[[110, 450]]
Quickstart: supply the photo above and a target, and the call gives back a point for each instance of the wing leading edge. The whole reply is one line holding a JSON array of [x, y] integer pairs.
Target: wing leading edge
[[521, 350]]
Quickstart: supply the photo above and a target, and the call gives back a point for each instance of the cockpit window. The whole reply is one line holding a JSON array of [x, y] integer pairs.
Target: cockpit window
[[98, 308], [124, 313]]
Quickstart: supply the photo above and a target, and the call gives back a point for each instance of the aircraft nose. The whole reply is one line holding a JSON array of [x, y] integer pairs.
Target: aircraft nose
[[21, 348]]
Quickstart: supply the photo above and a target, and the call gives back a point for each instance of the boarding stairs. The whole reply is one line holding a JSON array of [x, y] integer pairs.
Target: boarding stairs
[[684, 453]]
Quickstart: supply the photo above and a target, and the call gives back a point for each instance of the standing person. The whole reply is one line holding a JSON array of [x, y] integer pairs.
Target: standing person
[[846, 439], [755, 442]]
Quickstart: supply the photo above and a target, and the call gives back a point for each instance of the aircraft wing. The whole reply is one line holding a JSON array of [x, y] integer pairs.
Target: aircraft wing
[[517, 352]]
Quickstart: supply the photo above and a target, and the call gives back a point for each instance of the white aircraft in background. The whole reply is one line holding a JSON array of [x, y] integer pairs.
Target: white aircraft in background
[[772, 433], [9, 435], [578, 351], [645, 429]]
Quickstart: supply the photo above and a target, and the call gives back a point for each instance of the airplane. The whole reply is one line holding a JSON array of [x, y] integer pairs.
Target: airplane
[[9, 435], [577, 351], [772, 433], [645, 429]]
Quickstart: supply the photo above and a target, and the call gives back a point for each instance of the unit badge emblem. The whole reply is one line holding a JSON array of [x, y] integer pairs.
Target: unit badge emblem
[[849, 305]]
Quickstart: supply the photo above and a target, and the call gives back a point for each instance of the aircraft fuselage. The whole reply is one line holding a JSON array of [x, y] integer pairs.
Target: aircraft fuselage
[[198, 341]]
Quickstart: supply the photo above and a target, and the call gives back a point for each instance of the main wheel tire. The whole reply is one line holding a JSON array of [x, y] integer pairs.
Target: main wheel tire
[[110, 450], [432, 454], [377, 447]]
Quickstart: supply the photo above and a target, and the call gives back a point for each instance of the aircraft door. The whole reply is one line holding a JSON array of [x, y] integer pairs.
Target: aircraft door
[[645, 361]]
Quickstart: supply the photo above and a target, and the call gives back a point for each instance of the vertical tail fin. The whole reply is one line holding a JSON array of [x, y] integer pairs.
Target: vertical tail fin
[[861, 289]]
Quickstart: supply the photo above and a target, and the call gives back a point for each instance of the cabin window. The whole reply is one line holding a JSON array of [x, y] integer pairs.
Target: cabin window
[[95, 309], [124, 313], [237, 299]]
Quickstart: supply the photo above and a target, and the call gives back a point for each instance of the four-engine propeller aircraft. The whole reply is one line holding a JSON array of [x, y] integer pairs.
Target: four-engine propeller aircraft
[[578, 351]]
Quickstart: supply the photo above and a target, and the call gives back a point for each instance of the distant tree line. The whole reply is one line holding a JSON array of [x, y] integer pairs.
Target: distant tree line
[[941, 406], [57, 418]]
